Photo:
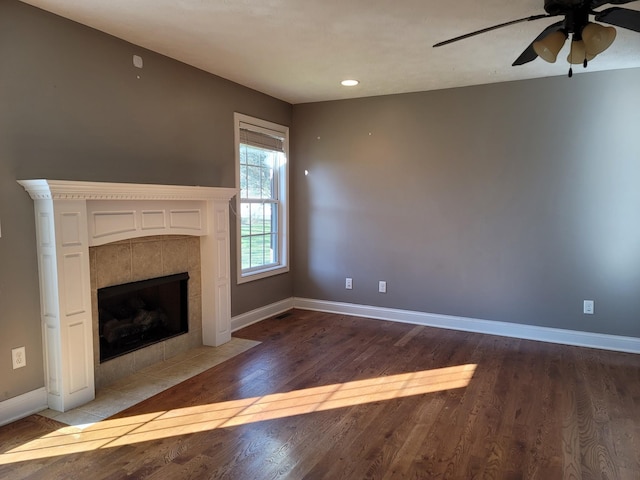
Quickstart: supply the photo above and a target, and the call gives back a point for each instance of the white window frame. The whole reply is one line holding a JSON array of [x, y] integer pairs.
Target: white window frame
[[282, 264]]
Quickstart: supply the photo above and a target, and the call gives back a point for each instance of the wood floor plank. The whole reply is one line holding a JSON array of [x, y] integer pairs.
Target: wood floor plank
[[329, 396]]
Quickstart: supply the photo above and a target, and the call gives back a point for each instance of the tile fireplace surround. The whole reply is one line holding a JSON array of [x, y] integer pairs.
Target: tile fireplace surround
[[73, 216], [138, 259]]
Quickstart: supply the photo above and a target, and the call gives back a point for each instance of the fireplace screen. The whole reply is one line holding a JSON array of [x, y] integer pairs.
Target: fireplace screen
[[135, 315]]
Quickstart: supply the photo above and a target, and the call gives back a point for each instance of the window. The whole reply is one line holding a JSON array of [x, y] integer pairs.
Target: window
[[262, 208]]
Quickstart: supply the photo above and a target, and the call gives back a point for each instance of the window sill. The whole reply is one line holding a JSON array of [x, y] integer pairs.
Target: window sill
[[259, 274]]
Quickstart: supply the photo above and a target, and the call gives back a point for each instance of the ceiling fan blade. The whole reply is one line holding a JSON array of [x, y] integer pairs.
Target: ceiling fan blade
[[529, 55], [495, 27], [599, 3], [620, 17]]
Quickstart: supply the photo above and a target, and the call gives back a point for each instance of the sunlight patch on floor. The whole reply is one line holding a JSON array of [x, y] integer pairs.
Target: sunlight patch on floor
[[189, 420], [146, 383]]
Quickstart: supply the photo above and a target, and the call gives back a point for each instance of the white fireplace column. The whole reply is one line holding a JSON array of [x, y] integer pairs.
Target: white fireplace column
[[65, 300], [71, 217]]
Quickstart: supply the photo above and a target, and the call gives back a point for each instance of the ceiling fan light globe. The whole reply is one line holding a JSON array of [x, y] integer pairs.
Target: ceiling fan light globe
[[578, 53], [597, 38], [549, 47]]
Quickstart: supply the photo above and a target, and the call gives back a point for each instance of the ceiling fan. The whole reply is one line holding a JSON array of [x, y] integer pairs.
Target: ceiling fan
[[588, 39]]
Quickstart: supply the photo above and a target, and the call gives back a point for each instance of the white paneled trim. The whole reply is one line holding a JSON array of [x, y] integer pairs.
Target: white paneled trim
[[23, 405], [188, 219], [505, 329], [113, 220], [259, 314]]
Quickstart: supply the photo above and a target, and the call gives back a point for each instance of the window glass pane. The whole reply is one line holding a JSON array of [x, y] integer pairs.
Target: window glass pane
[[254, 156], [274, 248], [243, 181], [258, 247], [257, 219], [269, 176], [245, 245], [259, 183], [273, 208], [245, 217]]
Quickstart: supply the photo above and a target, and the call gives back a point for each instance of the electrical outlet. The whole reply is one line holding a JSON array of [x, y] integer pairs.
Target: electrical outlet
[[19, 357], [587, 307], [382, 286], [348, 283]]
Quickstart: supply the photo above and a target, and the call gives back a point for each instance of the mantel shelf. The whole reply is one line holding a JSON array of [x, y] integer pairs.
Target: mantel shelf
[[42, 189]]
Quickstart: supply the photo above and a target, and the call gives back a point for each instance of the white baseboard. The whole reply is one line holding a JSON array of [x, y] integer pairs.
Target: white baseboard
[[22, 406], [515, 330], [259, 314]]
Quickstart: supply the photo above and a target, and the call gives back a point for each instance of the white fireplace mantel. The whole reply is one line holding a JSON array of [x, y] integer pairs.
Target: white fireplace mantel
[[72, 216]]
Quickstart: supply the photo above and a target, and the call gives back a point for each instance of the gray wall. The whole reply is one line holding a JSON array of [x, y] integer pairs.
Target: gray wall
[[72, 108], [510, 202]]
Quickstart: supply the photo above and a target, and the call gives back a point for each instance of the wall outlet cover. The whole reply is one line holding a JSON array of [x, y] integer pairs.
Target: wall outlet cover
[[588, 307], [18, 357]]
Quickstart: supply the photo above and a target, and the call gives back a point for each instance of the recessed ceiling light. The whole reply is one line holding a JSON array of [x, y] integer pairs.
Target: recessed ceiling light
[[349, 83]]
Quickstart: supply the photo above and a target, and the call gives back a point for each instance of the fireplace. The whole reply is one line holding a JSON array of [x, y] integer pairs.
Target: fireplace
[[137, 314], [72, 217]]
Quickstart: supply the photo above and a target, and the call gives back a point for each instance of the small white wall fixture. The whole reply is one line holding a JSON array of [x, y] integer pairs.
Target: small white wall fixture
[[70, 217]]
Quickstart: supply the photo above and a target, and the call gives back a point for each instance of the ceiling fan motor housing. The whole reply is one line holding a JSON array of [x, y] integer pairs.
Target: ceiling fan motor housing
[[576, 14], [562, 7]]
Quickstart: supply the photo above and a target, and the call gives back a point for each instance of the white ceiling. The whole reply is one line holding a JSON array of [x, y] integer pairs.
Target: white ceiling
[[300, 50]]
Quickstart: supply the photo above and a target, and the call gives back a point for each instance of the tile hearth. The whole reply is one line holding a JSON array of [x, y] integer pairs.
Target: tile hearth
[[152, 380]]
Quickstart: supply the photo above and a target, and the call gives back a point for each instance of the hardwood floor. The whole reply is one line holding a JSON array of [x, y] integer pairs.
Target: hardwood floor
[[336, 397]]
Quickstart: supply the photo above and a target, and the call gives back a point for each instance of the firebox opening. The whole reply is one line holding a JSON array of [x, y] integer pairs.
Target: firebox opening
[[134, 315]]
